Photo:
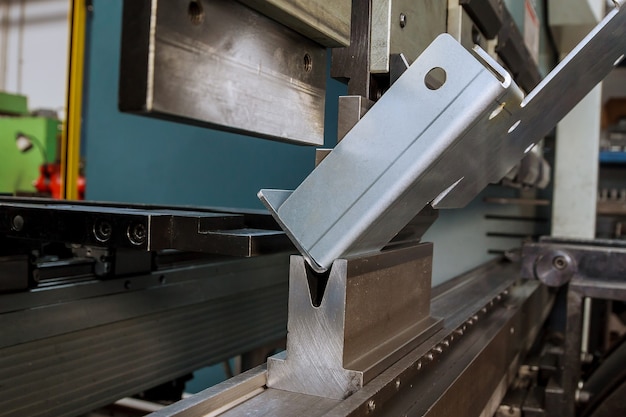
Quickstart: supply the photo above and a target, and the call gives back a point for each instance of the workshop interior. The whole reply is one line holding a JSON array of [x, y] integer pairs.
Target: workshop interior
[[312, 208]]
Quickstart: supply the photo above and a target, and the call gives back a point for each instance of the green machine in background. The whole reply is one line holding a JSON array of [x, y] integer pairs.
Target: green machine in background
[[25, 140]]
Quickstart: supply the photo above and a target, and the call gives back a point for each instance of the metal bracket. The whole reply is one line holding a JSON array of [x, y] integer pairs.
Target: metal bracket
[[438, 143]]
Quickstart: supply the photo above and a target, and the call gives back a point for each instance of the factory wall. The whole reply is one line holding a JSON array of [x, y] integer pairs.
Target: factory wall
[[33, 51]]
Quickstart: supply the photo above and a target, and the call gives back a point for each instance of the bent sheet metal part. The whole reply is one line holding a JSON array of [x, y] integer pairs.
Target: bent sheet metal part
[[419, 145]]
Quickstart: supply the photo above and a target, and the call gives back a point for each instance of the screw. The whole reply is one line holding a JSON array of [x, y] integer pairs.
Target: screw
[[418, 366], [397, 384], [102, 230], [371, 406], [196, 12], [137, 234], [17, 224], [559, 262], [402, 20]]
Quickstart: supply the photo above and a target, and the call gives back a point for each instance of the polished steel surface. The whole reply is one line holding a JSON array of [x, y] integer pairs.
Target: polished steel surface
[[343, 334], [477, 111], [403, 27], [325, 22], [377, 185], [222, 65]]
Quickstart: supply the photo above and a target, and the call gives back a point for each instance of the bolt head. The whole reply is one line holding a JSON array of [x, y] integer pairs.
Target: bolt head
[[402, 20]]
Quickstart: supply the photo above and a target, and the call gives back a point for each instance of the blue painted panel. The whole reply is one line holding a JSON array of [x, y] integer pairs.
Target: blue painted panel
[[132, 158], [608, 157]]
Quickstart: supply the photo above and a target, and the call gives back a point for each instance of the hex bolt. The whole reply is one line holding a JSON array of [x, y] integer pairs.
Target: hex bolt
[[397, 384], [402, 20], [371, 406], [17, 223]]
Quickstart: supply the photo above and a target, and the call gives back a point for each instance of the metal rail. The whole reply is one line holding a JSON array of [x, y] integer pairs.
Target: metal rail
[[490, 320]]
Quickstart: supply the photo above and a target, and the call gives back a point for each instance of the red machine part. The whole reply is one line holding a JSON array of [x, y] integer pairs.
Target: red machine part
[[49, 181]]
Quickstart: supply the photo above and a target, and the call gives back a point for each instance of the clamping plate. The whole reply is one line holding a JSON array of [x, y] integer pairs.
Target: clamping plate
[[450, 125]]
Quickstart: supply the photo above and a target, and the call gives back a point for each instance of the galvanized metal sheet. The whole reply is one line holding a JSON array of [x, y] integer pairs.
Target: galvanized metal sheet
[[418, 145], [381, 174]]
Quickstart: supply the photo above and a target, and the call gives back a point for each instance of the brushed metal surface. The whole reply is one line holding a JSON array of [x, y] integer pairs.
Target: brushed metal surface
[[325, 22], [222, 65], [374, 310], [469, 133], [404, 27], [351, 110]]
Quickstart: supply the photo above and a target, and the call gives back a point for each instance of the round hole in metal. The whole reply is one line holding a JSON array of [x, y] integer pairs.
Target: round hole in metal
[[435, 78]]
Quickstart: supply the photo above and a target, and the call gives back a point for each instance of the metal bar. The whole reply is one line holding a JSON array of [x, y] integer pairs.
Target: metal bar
[[327, 23], [218, 396], [89, 345], [142, 227], [70, 144], [352, 64], [571, 361], [222, 65]]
